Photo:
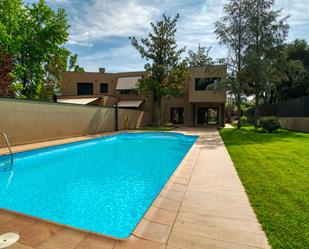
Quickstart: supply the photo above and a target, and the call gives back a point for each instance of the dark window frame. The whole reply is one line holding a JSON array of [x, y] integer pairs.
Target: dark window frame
[[81, 88], [104, 87]]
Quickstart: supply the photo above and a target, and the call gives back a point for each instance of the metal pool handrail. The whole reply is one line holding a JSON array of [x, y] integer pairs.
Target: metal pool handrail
[[8, 145]]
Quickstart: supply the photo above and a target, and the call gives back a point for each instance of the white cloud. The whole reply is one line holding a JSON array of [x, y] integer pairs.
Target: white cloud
[[124, 58], [102, 19], [297, 10], [98, 20]]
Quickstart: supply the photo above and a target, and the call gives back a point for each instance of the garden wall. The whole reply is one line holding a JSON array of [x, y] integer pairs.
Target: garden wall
[[27, 121], [293, 114]]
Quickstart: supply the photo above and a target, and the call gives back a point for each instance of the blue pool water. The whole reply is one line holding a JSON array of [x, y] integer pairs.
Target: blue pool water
[[104, 185]]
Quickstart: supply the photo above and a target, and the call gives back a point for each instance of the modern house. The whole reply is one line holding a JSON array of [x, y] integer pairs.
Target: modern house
[[199, 106]]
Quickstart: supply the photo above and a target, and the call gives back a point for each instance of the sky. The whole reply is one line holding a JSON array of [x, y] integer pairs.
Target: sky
[[100, 28]]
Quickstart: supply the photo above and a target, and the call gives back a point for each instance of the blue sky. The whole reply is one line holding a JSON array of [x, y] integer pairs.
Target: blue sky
[[100, 28]]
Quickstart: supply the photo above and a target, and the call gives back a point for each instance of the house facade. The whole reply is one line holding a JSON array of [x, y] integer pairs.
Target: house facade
[[199, 106]]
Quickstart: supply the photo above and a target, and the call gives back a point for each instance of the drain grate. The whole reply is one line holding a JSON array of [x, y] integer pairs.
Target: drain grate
[[8, 239]]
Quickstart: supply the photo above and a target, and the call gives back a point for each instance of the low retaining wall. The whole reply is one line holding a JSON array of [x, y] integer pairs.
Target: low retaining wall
[[27, 121], [295, 123]]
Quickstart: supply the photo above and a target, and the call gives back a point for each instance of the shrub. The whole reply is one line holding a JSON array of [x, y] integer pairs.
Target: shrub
[[269, 124], [243, 119]]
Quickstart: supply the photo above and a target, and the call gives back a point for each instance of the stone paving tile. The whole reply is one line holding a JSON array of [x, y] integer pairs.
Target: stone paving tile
[[38, 232], [20, 224], [96, 242], [234, 224], [166, 203], [136, 243], [175, 187], [161, 216], [186, 241], [171, 194], [65, 238], [152, 231], [19, 246], [181, 180], [220, 211]]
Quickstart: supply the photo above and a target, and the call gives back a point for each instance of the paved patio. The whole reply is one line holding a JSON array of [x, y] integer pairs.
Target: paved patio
[[204, 205]]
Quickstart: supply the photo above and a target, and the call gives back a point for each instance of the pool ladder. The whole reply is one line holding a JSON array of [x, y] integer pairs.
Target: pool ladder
[[7, 165]]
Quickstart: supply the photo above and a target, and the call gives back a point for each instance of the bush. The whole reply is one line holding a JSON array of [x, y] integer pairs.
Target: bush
[[269, 124], [243, 119]]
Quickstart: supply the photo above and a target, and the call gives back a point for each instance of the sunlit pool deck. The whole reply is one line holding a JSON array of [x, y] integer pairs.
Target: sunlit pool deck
[[203, 205]]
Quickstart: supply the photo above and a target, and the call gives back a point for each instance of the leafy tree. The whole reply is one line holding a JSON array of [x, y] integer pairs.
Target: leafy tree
[[5, 77], [287, 74], [299, 50], [72, 66], [34, 35], [200, 58], [231, 30], [166, 71], [266, 30]]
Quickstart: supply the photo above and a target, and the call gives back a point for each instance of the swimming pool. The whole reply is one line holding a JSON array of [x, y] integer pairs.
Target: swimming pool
[[103, 185]]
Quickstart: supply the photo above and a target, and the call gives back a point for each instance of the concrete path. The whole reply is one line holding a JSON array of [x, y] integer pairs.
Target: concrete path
[[215, 212], [203, 206]]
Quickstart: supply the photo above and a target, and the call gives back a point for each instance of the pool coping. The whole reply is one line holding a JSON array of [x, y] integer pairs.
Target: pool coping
[[97, 136]]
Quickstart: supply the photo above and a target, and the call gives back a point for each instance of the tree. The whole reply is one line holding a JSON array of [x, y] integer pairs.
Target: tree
[[287, 74], [200, 58], [166, 71], [34, 35], [265, 31], [72, 66], [231, 30], [5, 69]]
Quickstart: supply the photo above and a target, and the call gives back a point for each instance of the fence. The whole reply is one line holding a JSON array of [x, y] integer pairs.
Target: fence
[[293, 114], [291, 108], [27, 121]]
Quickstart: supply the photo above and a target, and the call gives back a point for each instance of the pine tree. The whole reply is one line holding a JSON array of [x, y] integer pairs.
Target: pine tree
[[166, 71]]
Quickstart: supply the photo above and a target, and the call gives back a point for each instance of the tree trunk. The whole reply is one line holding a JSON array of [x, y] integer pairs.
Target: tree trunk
[[256, 110], [238, 112], [159, 116]]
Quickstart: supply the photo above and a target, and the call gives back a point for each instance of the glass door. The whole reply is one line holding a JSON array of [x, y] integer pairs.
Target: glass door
[[212, 116], [207, 116]]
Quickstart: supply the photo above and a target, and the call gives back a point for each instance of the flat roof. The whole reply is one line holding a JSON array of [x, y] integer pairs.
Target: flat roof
[[79, 101]]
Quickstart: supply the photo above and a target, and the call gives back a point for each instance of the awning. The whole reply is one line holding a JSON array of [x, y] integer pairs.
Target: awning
[[127, 83], [80, 101], [130, 103]]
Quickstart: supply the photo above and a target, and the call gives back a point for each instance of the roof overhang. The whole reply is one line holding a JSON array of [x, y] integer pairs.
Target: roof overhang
[[127, 83], [130, 103], [78, 101]]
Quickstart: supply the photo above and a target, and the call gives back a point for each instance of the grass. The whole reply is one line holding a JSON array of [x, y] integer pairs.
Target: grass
[[274, 169], [157, 128]]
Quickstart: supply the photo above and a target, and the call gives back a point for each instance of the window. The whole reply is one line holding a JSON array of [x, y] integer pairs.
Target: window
[[125, 91], [202, 83], [177, 115], [84, 89], [103, 88]]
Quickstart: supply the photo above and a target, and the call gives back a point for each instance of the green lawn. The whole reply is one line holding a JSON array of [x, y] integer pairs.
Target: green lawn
[[274, 169]]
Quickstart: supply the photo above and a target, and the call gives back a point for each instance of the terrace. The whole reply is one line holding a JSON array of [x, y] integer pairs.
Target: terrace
[[203, 205]]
